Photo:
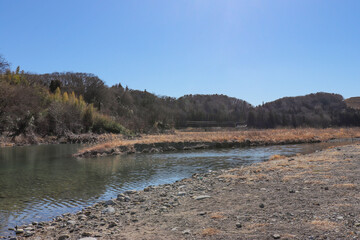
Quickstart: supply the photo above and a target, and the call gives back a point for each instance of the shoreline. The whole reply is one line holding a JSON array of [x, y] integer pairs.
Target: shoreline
[[32, 139], [307, 196], [210, 140]]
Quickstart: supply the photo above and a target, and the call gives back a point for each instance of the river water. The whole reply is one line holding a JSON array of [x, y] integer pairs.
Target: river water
[[38, 183]]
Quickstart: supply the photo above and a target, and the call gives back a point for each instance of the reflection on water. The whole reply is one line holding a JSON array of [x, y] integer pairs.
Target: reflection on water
[[40, 182]]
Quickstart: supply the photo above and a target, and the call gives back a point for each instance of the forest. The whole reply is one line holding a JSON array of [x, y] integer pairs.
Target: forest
[[71, 102]]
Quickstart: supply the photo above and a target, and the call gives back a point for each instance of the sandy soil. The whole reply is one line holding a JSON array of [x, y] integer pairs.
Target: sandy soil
[[313, 196]]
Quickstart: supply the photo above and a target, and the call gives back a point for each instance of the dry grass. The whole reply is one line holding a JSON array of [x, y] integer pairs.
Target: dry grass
[[270, 136], [324, 224], [276, 157], [210, 232], [217, 215], [345, 185]]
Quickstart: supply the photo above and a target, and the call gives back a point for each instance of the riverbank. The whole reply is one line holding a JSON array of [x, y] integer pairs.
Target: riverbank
[[314, 196], [33, 139], [220, 139]]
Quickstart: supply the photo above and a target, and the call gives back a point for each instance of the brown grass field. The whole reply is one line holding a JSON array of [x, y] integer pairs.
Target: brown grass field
[[268, 136]]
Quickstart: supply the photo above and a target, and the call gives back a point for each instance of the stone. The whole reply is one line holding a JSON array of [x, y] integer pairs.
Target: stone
[[109, 210], [109, 203], [19, 231], [187, 231], [112, 224], [276, 236], [201, 197], [238, 225], [130, 192], [86, 234], [71, 222], [28, 234], [202, 213], [181, 194], [63, 237], [87, 238], [261, 205]]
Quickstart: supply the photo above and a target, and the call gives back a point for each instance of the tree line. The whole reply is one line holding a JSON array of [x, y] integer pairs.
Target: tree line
[[71, 102]]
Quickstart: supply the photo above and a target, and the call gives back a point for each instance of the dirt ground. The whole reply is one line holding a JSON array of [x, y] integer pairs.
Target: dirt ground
[[313, 196]]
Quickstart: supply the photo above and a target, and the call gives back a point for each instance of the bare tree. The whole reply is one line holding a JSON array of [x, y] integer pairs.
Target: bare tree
[[3, 64]]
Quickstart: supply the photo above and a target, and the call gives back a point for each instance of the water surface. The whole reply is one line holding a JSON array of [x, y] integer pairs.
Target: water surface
[[38, 183]]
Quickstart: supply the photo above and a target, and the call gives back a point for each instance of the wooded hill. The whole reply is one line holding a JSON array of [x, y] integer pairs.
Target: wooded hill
[[59, 103]]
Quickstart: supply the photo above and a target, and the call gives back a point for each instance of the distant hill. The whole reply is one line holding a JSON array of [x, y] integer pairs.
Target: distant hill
[[313, 110], [353, 102]]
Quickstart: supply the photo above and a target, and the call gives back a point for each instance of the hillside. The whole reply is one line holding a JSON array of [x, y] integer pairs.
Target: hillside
[[71, 102], [353, 102]]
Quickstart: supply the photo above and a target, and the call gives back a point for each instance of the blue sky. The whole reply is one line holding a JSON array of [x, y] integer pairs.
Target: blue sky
[[253, 50]]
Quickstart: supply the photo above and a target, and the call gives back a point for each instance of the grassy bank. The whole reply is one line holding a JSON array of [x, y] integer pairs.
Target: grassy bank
[[248, 137]]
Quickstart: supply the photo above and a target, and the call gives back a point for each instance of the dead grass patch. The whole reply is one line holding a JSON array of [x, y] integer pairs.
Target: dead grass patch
[[217, 216], [345, 185], [210, 232], [253, 227], [276, 157], [324, 224], [271, 136]]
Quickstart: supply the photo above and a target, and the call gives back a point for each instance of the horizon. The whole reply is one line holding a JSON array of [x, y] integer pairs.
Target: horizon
[[254, 51]]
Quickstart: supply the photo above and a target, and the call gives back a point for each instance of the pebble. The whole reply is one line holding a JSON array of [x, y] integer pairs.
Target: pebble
[[187, 231], [87, 238], [28, 234], [276, 236], [109, 203], [261, 205], [238, 225], [181, 194], [109, 210], [71, 222], [63, 237], [201, 197], [130, 192], [19, 231]]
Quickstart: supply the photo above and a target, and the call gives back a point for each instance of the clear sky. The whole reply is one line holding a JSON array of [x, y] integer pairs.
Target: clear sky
[[253, 50]]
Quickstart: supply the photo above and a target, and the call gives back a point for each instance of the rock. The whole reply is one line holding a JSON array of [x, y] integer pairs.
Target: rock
[[326, 188], [28, 234], [187, 231], [109, 210], [181, 194], [292, 191], [276, 236], [130, 192], [261, 205], [63, 237], [109, 203], [340, 217], [29, 229], [71, 222], [238, 225], [86, 234], [87, 238], [19, 231], [123, 198], [112, 224], [34, 223], [201, 197], [202, 213]]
